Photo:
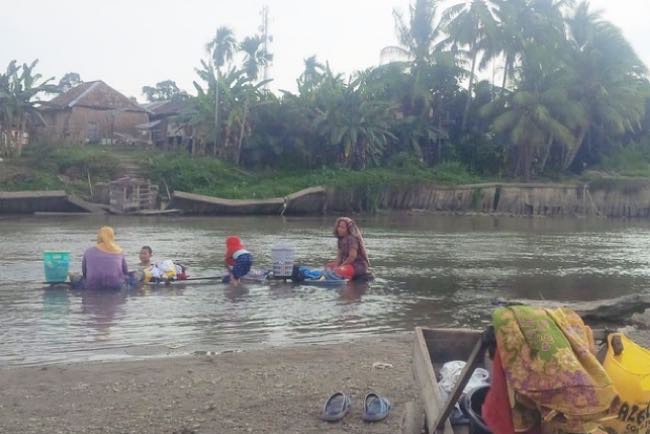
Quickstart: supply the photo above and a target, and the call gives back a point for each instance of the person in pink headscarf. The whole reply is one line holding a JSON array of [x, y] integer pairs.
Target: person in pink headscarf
[[352, 258]]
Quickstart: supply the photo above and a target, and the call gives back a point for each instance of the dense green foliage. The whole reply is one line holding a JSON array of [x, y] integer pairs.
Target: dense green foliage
[[567, 94], [572, 94]]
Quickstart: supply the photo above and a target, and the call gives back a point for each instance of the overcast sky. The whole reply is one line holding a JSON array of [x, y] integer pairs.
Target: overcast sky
[[132, 43]]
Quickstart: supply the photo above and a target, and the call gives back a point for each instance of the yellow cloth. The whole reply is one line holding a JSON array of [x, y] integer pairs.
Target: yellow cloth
[[106, 240]]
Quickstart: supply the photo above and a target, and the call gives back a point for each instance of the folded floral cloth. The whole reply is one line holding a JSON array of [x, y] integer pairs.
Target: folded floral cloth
[[548, 357]]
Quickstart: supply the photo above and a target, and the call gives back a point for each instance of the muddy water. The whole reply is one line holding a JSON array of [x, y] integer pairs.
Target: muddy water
[[436, 271]]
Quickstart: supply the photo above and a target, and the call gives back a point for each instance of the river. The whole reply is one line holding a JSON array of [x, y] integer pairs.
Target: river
[[430, 270]]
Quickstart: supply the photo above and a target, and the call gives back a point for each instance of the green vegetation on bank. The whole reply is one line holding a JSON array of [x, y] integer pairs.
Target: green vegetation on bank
[[215, 178], [70, 168]]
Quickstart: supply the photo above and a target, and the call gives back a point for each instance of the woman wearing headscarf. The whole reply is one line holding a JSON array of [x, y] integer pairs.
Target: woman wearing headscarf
[[104, 266], [352, 258]]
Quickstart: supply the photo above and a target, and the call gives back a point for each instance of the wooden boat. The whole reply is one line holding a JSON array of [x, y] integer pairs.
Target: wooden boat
[[433, 347]]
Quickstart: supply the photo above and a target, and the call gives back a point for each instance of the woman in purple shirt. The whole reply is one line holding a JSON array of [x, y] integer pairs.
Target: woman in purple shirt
[[104, 266]]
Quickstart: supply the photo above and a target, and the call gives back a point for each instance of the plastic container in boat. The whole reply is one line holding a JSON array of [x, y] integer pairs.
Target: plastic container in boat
[[282, 257]]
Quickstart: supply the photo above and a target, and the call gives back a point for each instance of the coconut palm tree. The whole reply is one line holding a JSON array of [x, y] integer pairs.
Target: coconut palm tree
[[255, 57], [522, 23], [221, 49], [471, 23], [311, 75], [609, 79], [537, 113]]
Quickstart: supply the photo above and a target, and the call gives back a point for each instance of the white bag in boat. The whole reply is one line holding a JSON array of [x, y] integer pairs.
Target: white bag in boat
[[167, 269], [450, 373]]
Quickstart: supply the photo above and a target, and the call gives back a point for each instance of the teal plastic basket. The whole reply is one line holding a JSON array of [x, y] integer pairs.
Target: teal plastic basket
[[56, 266]]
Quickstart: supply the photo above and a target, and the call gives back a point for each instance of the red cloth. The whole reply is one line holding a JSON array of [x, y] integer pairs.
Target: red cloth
[[233, 243], [496, 410], [345, 271]]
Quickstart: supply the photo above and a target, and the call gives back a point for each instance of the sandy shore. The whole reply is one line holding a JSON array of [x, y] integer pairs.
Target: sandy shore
[[266, 391]]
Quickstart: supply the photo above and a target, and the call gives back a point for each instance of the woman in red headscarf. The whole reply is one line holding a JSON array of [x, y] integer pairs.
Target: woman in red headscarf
[[352, 258], [238, 259]]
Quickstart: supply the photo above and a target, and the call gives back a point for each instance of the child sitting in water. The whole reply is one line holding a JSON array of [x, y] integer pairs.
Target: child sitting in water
[[238, 260], [165, 271], [145, 257]]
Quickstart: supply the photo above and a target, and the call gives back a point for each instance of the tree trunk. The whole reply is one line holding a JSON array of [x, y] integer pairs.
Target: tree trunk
[[216, 114], [242, 130], [547, 151], [469, 88], [506, 69], [523, 161], [571, 155]]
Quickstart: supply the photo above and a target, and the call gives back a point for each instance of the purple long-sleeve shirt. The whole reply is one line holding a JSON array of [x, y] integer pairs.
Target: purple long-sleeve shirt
[[103, 270]]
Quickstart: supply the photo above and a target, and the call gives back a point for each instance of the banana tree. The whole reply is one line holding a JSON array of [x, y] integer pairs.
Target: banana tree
[[19, 90], [358, 127]]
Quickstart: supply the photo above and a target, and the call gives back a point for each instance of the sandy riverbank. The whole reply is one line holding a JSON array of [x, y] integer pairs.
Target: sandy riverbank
[[264, 391]]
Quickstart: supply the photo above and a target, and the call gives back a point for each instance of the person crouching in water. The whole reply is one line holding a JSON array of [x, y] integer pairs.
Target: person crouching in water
[[351, 258], [238, 260], [104, 266]]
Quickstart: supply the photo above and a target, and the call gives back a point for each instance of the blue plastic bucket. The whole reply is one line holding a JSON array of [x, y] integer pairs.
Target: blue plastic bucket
[[56, 266]]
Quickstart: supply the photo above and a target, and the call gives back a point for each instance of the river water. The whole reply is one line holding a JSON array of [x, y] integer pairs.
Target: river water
[[430, 270]]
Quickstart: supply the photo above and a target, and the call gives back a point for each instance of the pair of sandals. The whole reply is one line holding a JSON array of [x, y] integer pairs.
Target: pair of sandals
[[375, 407]]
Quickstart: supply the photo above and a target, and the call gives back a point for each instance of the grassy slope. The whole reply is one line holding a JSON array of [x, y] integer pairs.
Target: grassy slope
[[68, 167]]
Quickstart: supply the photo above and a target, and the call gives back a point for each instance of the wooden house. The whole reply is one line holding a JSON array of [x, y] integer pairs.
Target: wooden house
[[92, 112]]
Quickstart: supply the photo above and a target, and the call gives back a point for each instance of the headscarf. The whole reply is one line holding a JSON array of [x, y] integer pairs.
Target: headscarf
[[233, 243], [354, 231], [106, 240]]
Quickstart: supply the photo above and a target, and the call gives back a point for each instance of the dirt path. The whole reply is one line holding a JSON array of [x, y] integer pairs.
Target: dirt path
[[269, 391]]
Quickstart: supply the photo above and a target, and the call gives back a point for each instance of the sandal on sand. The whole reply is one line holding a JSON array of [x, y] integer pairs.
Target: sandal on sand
[[375, 408], [336, 407]]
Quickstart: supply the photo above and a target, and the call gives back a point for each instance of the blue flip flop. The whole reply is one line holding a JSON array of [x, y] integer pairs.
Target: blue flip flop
[[375, 408], [336, 407]]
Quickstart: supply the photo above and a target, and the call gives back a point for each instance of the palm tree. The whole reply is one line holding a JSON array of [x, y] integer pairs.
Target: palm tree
[[221, 49], [421, 53], [609, 79], [255, 57], [311, 75], [419, 37], [523, 23], [538, 113], [19, 86], [471, 23]]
